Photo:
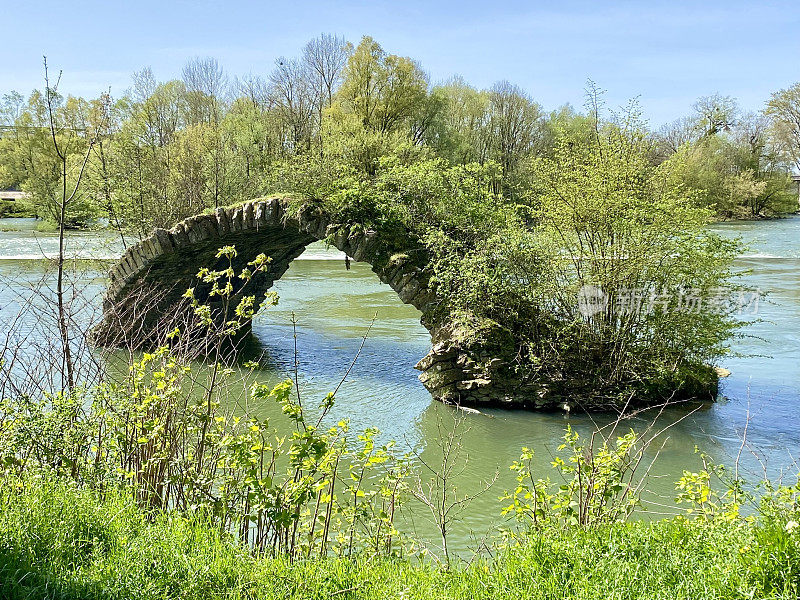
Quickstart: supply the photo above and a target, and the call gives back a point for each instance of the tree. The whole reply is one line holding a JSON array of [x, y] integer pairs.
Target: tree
[[206, 86], [514, 125], [253, 135], [759, 158], [671, 137], [460, 134], [737, 174], [34, 161], [141, 155], [715, 114], [503, 125], [382, 90], [325, 58], [784, 110], [68, 190], [158, 110], [610, 223], [105, 119], [293, 100]]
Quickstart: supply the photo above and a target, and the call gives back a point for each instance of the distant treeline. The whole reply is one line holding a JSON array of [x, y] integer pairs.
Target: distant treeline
[[166, 150]]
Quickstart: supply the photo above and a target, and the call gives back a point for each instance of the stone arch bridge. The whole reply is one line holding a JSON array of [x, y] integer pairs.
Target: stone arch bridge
[[146, 287]]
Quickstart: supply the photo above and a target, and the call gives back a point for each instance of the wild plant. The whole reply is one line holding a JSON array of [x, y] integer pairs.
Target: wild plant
[[598, 483], [163, 432], [435, 486]]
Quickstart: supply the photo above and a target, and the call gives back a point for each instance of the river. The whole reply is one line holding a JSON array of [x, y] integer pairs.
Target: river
[[335, 306]]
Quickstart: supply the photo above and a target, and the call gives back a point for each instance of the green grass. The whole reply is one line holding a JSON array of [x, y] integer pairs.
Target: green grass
[[60, 542]]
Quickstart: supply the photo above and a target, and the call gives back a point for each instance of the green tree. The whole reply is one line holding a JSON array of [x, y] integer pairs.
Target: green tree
[[461, 132], [715, 114], [784, 110], [737, 174], [515, 130], [32, 154], [206, 87], [610, 222], [383, 91]]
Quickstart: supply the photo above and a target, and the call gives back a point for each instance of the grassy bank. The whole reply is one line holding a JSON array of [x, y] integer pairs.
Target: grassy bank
[[58, 541]]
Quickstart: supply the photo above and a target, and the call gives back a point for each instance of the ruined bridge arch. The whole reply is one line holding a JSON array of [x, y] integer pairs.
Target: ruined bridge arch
[[146, 286]]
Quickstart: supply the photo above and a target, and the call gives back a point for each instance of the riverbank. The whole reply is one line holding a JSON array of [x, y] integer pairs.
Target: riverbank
[[57, 541]]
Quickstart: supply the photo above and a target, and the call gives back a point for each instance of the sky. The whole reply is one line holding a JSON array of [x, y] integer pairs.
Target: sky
[[666, 54]]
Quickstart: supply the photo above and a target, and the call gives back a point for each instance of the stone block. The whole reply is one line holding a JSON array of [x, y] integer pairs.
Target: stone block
[[262, 214], [474, 384], [209, 225], [179, 236], [223, 222], [164, 241], [248, 216], [237, 220], [433, 379], [149, 249], [276, 208]]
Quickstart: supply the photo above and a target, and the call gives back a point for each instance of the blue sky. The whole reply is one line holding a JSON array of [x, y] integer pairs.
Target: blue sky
[[666, 53]]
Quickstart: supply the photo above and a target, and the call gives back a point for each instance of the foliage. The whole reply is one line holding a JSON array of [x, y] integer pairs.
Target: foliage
[[300, 488], [735, 177], [598, 485], [139, 486], [170, 149], [30, 159], [607, 219], [597, 213], [60, 541], [784, 109], [514, 212]]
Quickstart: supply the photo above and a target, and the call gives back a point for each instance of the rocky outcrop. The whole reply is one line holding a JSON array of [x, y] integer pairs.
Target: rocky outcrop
[[479, 374]]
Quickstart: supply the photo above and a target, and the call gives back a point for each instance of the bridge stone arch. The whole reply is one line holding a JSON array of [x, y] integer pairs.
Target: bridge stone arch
[[147, 284]]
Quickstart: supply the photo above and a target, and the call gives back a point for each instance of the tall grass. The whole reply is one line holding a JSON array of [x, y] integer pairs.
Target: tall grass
[[61, 541]]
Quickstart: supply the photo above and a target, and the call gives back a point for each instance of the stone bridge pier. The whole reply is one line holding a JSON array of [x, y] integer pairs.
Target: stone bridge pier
[[144, 298]]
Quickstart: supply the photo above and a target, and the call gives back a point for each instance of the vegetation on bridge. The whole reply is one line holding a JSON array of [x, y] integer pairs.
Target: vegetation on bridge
[[558, 259], [510, 269]]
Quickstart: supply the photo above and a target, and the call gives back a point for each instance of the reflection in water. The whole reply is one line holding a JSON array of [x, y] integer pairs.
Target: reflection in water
[[334, 308]]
